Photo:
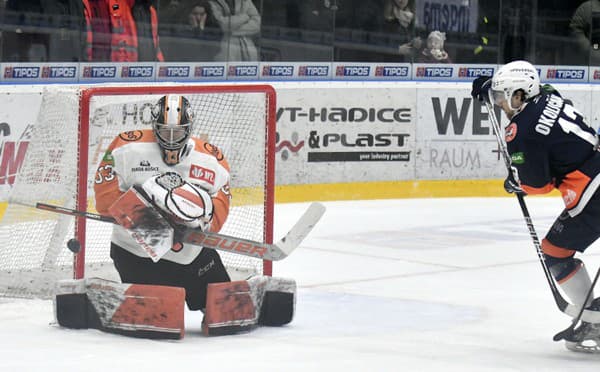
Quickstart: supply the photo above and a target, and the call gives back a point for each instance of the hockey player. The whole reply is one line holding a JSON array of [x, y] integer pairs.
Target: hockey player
[[137, 158], [552, 147], [142, 160]]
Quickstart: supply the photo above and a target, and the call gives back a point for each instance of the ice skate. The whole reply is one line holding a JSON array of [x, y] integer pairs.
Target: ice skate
[[586, 337]]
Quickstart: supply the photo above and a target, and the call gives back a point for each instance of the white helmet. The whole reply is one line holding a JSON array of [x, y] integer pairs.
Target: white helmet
[[513, 76]]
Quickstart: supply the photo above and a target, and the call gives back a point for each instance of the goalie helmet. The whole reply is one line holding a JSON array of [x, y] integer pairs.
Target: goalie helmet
[[514, 76], [172, 124]]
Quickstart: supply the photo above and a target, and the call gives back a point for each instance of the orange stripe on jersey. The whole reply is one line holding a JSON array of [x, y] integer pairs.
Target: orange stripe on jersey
[[124, 138], [221, 204], [555, 251], [572, 187], [210, 149], [537, 190]]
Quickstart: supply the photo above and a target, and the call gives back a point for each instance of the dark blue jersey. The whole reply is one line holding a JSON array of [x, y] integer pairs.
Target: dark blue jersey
[[551, 146]]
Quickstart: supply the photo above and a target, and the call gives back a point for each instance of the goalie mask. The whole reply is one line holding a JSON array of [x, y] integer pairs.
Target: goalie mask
[[172, 124]]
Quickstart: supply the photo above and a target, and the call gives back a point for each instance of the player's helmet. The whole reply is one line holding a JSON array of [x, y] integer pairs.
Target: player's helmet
[[514, 76], [172, 124]]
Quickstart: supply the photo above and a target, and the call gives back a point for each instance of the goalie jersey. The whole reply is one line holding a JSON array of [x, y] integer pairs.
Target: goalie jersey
[[135, 156], [551, 146]]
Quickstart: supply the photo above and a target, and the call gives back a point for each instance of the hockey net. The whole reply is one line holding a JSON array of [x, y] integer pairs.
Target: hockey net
[[72, 131]]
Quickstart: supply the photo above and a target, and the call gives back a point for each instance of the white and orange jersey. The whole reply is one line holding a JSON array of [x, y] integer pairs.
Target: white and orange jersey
[[135, 156]]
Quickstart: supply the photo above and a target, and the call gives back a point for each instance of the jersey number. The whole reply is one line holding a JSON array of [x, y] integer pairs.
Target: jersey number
[[572, 124], [105, 173]]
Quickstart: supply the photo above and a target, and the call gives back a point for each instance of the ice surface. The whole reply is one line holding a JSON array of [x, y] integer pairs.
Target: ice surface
[[394, 285]]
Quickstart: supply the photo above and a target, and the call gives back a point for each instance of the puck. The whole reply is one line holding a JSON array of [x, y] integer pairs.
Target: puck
[[73, 245]]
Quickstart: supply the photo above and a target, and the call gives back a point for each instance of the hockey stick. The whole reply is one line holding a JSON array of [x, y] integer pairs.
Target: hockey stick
[[272, 252], [560, 301], [564, 334]]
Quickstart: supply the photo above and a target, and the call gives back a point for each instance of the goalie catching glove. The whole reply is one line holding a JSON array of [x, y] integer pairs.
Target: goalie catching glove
[[188, 204]]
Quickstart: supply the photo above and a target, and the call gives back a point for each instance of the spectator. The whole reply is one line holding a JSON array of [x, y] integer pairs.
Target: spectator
[[399, 20], [240, 23], [122, 31], [196, 41], [585, 27], [434, 50]]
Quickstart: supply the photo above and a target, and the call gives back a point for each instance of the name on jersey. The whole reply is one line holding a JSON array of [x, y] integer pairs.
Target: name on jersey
[[434, 72], [565, 73], [145, 166], [549, 115], [395, 71], [174, 71], [209, 71], [137, 71], [203, 174], [352, 71], [99, 72], [313, 71], [471, 72], [278, 71]]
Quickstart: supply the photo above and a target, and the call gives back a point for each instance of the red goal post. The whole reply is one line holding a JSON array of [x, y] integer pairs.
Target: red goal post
[[239, 119]]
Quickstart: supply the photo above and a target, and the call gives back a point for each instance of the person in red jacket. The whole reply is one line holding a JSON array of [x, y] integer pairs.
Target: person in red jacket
[[121, 31]]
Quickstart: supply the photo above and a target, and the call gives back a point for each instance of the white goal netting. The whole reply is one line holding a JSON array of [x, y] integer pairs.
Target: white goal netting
[[33, 253]]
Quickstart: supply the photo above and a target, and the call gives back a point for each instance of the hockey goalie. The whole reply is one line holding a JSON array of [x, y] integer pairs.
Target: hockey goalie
[[185, 185]]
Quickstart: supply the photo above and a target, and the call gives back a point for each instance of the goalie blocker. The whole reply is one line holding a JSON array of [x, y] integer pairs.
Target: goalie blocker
[[157, 312]]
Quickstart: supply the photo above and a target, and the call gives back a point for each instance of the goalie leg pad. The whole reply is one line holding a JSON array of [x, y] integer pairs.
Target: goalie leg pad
[[229, 309], [134, 310], [239, 306]]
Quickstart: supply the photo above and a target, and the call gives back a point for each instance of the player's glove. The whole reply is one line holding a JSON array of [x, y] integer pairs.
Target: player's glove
[[187, 204], [481, 87], [512, 184]]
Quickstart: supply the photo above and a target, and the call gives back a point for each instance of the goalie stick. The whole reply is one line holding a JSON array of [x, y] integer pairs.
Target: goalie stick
[[272, 252], [563, 305]]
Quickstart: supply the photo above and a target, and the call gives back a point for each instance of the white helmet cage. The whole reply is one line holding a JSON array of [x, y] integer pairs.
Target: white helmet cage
[[514, 76], [172, 122]]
